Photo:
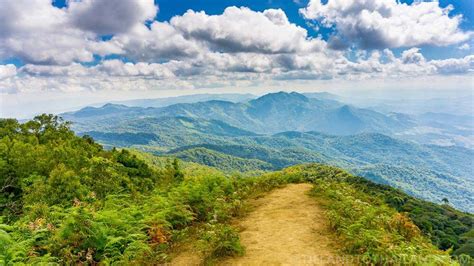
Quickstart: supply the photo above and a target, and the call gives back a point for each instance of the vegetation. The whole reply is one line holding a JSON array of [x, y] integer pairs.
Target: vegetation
[[64, 199], [447, 227], [222, 161], [425, 171]]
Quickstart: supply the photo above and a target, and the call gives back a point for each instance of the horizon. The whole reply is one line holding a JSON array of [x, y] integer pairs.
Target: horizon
[[380, 97]]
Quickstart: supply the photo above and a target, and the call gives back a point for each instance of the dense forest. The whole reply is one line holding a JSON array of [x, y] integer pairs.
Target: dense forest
[[65, 199]]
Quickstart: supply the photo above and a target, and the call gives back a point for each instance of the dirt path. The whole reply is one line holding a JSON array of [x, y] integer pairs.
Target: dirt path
[[287, 227]]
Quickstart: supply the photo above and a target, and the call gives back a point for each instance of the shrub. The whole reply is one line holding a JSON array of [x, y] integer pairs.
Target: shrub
[[219, 240]]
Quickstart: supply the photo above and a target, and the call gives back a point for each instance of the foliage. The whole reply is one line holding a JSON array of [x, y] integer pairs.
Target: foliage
[[425, 171], [372, 230], [42, 161], [220, 240], [221, 161], [66, 200], [447, 227]]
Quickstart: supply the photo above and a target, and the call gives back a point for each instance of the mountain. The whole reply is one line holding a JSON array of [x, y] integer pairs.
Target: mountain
[[161, 102], [211, 142], [104, 111], [429, 172], [283, 129], [167, 132], [275, 158], [271, 113], [323, 96]]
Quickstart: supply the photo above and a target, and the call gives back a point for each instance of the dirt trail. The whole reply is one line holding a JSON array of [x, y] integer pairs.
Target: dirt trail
[[286, 227]]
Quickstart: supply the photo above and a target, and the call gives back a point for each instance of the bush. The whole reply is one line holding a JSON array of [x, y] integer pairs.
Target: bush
[[219, 240], [373, 231]]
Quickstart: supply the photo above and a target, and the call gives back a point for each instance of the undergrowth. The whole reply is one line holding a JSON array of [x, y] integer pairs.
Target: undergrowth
[[66, 200], [372, 231]]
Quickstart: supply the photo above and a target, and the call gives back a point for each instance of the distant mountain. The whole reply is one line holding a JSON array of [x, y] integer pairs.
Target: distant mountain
[[442, 129], [271, 113], [420, 104], [194, 98], [323, 96], [106, 110]]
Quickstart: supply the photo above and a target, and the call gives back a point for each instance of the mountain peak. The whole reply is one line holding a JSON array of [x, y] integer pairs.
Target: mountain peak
[[282, 96], [113, 105], [106, 109]]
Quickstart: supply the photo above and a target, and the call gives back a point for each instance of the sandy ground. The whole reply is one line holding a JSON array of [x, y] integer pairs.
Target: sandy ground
[[286, 227]]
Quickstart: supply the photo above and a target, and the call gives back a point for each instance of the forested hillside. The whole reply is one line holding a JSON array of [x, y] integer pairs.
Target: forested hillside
[[64, 199], [426, 171]]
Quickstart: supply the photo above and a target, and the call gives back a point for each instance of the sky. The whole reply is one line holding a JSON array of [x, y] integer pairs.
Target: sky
[[60, 55]]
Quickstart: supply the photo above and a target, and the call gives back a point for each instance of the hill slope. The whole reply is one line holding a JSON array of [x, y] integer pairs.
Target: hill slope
[[66, 200], [428, 171]]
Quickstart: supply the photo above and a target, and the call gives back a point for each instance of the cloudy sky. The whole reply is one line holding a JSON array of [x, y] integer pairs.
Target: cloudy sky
[[58, 55]]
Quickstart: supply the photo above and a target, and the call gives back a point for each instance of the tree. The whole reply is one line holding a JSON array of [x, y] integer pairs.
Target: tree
[[178, 175], [173, 171]]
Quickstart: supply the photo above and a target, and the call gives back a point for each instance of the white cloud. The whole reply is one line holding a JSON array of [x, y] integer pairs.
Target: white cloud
[[244, 30], [73, 69], [239, 47], [161, 42], [37, 32], [110, 16], [455, 65], [218, 67], [464, 47], [412, 56], [119, 68], [388, 23], [7, 71]]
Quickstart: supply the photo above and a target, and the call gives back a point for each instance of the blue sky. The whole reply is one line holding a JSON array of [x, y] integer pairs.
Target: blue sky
[[170, 8], [84, 51]]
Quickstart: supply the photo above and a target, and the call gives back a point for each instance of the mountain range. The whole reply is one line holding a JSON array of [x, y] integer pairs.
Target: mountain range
[[282, 129], [271, 113]]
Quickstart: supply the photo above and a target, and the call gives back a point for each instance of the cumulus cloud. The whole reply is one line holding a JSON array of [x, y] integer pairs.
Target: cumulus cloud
[[239, 46], [244, 30], [40, 33], [388, 23], [108, 68], [455, 65], [161, 42], [36, 32], [119, 68], [110, 16], [412, 56]]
